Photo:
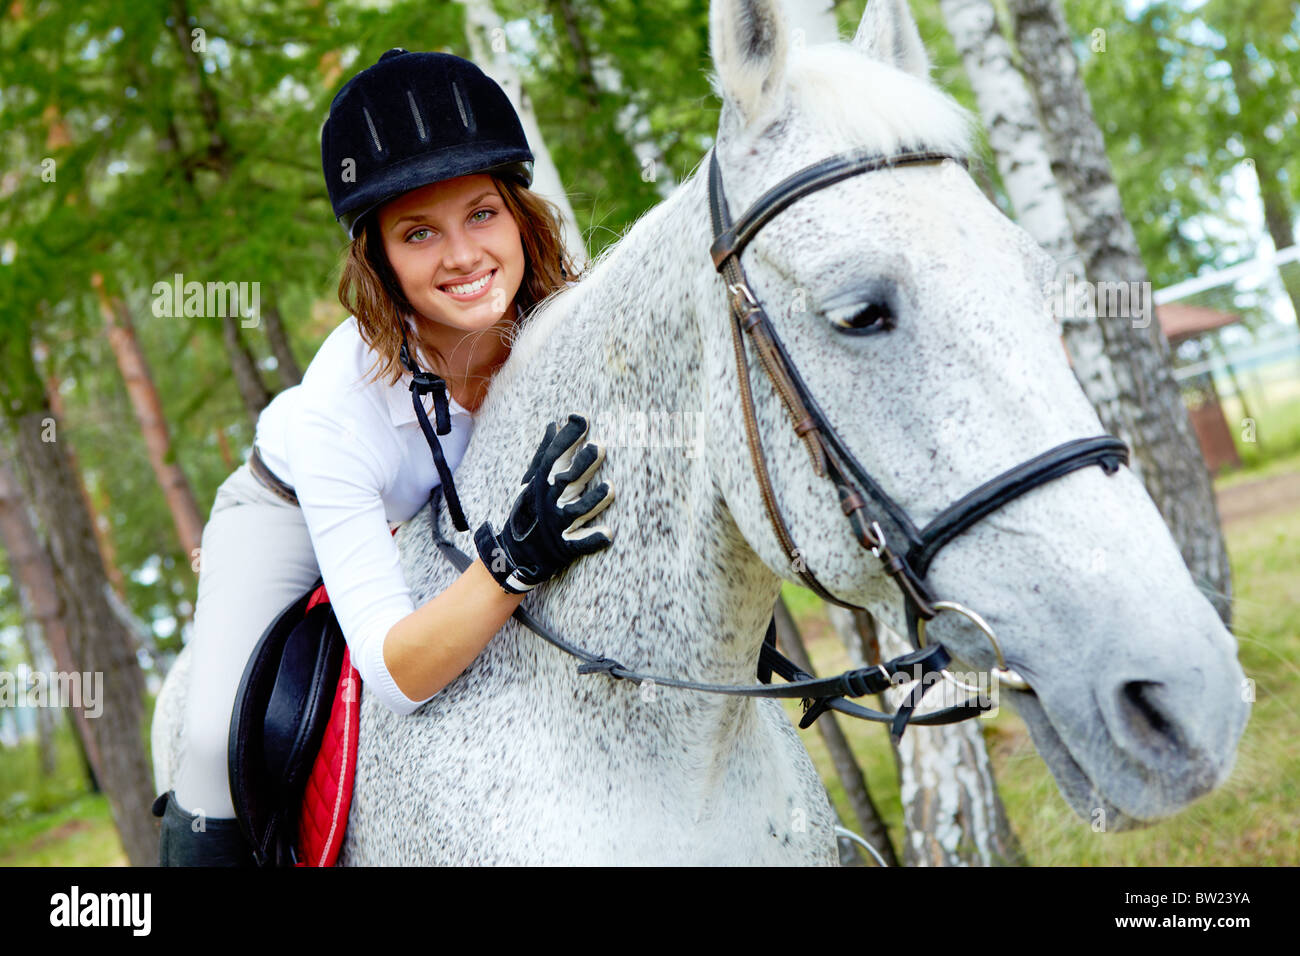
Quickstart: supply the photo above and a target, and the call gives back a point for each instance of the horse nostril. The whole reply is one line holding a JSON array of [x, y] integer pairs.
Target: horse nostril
[[1144, 713]]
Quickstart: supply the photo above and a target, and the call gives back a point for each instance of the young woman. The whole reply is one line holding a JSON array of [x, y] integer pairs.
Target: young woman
[[427, 169]]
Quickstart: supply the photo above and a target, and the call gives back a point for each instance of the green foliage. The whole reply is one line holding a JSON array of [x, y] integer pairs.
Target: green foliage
[[1167, 93], [660, 54], [185, 146]]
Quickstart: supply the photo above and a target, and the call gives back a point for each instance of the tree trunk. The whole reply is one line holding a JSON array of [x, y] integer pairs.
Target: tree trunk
[[951, 807], [244, 368], [34, 582], [44, 724], [873, 827], [1277, 218], [98, 511], [153, 423], [223, 446], [98, 645], [1151, 415], [286, 366], [217, 157]]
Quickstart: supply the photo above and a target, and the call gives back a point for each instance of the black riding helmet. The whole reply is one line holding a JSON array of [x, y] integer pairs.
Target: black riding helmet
[[414, 119]]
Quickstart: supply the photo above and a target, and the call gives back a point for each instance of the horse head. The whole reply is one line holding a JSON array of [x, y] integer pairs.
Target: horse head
[[915, 312]]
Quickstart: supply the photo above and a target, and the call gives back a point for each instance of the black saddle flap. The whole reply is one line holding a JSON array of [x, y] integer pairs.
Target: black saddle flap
[[280, 714]]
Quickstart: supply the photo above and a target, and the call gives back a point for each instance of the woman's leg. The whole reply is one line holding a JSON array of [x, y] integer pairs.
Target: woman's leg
[[255, 558]]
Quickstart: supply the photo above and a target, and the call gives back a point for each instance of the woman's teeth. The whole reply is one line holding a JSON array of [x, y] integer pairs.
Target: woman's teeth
[[471, 287]]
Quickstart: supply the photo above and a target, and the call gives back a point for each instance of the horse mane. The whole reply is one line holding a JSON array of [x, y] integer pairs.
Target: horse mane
[[551, 312], [832, 83]]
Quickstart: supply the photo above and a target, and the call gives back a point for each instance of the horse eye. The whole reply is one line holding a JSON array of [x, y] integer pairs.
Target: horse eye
[[876, 317]]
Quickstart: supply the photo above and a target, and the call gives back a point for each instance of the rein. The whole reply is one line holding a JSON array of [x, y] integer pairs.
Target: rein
[[827, 691]]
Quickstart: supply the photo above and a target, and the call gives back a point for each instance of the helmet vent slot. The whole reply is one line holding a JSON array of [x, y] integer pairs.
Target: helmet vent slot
[[460, 105], [374, 134], [419, 122]]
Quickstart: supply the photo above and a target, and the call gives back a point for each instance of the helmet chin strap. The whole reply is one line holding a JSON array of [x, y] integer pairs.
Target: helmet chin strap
[[423, 383]]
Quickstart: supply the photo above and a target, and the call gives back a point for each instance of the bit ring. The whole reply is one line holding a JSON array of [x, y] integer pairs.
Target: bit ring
[[1001, 673]]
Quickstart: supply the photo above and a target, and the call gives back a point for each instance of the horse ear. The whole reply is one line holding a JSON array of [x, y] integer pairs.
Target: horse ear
[[748, 42], [888, 33]]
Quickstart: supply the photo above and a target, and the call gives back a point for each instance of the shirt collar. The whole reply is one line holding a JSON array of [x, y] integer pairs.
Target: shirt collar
[[401, 410]]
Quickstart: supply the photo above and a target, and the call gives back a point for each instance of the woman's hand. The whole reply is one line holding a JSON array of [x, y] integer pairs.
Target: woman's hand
[[544, 532]]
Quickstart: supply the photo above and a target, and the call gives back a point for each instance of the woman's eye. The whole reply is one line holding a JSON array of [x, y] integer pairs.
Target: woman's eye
[[415, 234], [876, 317]]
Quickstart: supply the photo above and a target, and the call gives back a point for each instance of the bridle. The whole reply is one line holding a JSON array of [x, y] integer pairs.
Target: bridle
[[824, 444], [831, 459]]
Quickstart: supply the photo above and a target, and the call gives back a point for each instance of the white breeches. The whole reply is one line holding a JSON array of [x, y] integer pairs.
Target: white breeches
[[255, 558]]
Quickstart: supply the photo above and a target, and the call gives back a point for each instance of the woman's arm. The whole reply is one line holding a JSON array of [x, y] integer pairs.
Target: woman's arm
[[546, 531], [429, 648]]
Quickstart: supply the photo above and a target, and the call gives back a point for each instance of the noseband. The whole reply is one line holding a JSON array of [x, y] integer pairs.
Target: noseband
[[882, 530]]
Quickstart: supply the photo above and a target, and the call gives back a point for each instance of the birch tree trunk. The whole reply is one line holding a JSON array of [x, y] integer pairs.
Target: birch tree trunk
[[951, 807], [1151, 415], [153, 424], [1020, 151], [868, 818], [485, 31]]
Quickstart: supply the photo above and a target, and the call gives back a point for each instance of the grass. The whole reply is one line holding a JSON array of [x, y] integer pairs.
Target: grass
[[1275, 446], [1253, 819], [1285, 465], [53, 821], [80, 833]]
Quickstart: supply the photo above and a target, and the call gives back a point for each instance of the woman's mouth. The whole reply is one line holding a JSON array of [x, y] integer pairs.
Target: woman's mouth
[[469, 288]]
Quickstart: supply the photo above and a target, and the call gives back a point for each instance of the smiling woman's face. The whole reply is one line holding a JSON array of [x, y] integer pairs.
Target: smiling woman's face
[[456, 251]]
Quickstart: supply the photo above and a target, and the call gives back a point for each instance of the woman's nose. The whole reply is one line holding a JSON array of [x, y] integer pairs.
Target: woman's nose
[[460, 251]]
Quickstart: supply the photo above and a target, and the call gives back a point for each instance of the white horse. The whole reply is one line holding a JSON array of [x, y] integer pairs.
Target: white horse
[[1136, 703]]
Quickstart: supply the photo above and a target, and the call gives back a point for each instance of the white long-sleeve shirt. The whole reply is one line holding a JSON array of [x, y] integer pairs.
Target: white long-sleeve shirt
[[357, 460]]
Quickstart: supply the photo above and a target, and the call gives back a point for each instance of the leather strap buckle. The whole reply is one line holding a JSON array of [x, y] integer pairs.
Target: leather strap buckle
[[743, 302]]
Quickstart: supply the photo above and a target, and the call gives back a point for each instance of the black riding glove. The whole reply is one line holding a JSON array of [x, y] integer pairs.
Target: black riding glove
[[543, 533]]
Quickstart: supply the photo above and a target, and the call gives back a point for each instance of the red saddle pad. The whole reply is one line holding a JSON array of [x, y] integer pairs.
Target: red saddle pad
[[328, 795]]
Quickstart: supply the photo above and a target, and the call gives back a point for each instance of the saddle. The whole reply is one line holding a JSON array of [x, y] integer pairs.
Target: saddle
[[298, 682]]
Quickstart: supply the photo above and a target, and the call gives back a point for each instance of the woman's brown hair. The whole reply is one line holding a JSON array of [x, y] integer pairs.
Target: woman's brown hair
[[368, 287]]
